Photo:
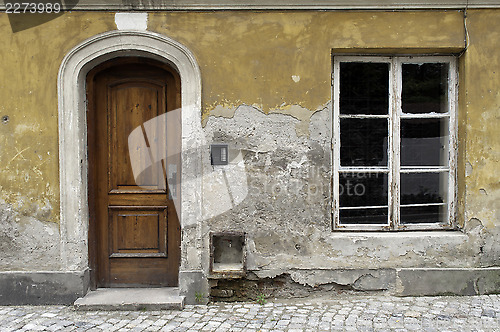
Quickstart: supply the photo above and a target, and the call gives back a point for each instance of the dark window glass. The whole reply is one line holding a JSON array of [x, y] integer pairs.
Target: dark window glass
[[424, 142], [363, 189], [364, 216], [425, 88], [363, 142], [424, 214], [364, 88], [421, 188]]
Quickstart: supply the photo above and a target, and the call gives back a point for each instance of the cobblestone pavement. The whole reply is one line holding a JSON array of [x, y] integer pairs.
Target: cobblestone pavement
[[355, 313]]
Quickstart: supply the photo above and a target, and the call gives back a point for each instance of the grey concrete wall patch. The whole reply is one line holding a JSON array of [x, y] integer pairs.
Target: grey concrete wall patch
[[431, 282], [18, 288]]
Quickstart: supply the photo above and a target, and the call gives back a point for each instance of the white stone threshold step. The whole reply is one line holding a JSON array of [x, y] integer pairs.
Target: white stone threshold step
[[131, 299]]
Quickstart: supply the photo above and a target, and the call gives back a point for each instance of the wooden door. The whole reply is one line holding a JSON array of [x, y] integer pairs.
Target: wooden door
[[135, 231]]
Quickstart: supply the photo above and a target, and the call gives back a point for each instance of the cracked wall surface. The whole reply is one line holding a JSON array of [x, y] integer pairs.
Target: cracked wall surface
[[29, 164], [28, 240], [286, 212], [480, 141], [281, 60], [266, 92]]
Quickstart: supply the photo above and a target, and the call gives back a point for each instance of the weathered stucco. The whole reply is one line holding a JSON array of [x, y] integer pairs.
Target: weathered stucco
[[266, 92], [279, 59], [480, 95], [287, 210], [29, 181]]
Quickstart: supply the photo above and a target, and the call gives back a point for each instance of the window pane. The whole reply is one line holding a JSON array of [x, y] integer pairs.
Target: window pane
[[363, 142], [364, 88], [424, 214], [425, 88], [363, 189], [419, 188], [424, 142], [364, 216]]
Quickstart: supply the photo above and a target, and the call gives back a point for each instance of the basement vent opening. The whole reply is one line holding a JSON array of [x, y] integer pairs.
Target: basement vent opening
[[227, 256]]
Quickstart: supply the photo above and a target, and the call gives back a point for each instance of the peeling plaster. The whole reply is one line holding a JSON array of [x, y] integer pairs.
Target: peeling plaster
[[287, 219], [358, 279], [29, 174], [27, 241], [221, 111], [468, 169], [250, 58], [266, 92], [482, 144]]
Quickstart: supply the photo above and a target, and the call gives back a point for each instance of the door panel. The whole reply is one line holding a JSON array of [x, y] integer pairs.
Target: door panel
[[131, 104], [136, 228], [139, 233]]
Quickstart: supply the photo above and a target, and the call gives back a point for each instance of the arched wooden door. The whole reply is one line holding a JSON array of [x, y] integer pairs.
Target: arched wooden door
[[134, 238]]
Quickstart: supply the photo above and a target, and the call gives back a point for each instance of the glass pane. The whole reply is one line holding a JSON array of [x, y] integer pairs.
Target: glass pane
[[424, 214], [419, 188], [364, 216], [363, 142], [363, 189], [364, 88], [425, 88], [424, 142]]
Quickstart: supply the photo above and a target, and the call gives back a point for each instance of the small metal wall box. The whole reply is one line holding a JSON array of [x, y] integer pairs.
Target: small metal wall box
[[227, 255], [219, 154]]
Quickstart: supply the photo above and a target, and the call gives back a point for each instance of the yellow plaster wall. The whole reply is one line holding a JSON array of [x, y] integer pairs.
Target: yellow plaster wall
[[30, 60], [274, 60], [277, 61], [481, 125]]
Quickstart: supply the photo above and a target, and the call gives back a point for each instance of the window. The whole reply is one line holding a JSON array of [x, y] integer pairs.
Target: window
[[394, 139]]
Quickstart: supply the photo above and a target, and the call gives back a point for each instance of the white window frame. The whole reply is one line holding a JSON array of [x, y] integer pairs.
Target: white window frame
[[393, 168]]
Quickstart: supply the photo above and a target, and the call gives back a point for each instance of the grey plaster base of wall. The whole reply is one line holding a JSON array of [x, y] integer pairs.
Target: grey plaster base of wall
[[36, 288], [421, 282], [403, 282], [18, 288], [194, 286]]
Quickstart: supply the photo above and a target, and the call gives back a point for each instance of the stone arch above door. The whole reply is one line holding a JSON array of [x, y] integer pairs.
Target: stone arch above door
[[73, 134]]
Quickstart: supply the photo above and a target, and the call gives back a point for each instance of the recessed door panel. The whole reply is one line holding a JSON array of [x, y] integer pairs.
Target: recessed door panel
[[138, 233], [131, 103]]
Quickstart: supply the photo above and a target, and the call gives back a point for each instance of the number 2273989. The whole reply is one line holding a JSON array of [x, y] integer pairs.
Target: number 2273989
[[32, 8]]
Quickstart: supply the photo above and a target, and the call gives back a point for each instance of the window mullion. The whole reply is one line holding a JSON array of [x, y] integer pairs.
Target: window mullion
[[452, 162], [336, 143], [395, 158], [390, 149]]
